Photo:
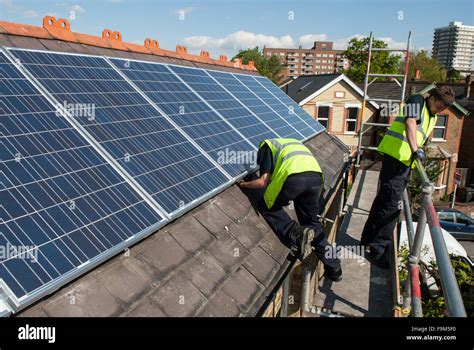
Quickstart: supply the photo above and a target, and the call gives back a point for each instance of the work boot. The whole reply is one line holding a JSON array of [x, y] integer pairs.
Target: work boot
[[305, 236], [379, 260], [334, 275]]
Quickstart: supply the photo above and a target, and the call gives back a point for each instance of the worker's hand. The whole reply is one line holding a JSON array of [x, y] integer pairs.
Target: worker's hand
[[241, 184], [419, 154]]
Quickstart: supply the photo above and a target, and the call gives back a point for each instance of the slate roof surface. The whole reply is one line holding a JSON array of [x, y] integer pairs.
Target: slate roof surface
[[305, 85]]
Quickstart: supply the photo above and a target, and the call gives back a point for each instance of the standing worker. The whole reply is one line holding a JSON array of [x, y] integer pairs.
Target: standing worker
[[289, 172], [401, 145]]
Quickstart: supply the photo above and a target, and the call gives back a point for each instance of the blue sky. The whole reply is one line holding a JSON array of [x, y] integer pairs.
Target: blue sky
[[227, 26]]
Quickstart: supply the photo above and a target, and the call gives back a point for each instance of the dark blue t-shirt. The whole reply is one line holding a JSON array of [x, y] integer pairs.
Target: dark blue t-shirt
[[264, 160], [414, 108]]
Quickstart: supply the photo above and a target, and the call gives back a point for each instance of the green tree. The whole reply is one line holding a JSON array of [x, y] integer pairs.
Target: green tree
[[268, 67], [415, 186], [430, 69], [382, 61], [453, 76]]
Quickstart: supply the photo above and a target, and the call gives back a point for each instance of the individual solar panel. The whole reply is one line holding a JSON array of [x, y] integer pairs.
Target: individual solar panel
[[163, 161], [287, 112], [62, 205], [223, 102], [188, 111], [299, 111], [278, 124]]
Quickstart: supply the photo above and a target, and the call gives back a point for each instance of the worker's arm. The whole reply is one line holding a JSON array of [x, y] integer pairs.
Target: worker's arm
[[411, 133], [259, 183]]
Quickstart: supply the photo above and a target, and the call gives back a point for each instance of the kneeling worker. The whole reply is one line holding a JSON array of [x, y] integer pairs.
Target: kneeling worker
[[289, 172]]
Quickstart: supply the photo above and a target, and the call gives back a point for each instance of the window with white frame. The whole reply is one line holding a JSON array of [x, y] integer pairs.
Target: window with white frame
[[439, 132], [322, 115], [352, 114]]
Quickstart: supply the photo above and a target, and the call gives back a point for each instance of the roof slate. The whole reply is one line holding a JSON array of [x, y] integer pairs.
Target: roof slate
[[305, 85]]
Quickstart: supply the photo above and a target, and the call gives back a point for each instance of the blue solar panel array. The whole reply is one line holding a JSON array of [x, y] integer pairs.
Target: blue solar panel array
[[130, 145], [286, 111], [62, 205], [144, 142], [230, 108], [187, 110], [270, 117], [291, 105]]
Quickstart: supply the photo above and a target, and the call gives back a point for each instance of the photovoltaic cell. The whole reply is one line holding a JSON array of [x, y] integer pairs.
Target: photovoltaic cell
[[285, 99], [172, 170], [62, 205], [278, 124], [188, 111], [228, 107]]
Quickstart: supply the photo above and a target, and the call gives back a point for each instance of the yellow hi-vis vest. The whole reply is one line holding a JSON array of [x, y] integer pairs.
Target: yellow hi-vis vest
[[395, 142], [290, 156]]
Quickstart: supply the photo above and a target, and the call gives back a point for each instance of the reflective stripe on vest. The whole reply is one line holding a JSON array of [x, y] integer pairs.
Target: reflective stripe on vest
[[395, 142], [290, 156]]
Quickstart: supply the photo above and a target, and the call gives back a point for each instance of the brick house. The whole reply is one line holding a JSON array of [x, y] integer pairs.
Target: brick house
[[336, 102]]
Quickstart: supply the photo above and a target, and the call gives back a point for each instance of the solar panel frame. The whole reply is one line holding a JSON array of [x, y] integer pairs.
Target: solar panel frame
[[9, 301]]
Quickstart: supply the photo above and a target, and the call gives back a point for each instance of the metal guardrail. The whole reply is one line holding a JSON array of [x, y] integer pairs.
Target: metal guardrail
[[428, 215]]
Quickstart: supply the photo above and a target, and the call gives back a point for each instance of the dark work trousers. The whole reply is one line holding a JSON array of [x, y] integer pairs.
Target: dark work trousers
[[304, 190], [386, 208]]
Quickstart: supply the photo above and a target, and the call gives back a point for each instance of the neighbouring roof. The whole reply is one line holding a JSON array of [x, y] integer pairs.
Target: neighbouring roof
[[285, 82], [220, 259], [306, 87]]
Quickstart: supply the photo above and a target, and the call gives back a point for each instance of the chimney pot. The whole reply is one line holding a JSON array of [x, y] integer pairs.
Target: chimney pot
[[417, 74], [467, 86]]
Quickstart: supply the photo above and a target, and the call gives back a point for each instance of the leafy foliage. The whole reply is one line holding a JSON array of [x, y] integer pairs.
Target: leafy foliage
[[381, 61], [434, 304], [415, 188], [268, 67], [430, 69]]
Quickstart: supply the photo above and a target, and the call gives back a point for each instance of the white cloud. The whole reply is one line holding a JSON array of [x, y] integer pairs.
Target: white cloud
[[307, 41], [341, 44], [18, 10], [234, 42], [241, 40], [392, 44], [30, 14], [78, 9], [184, 10]]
